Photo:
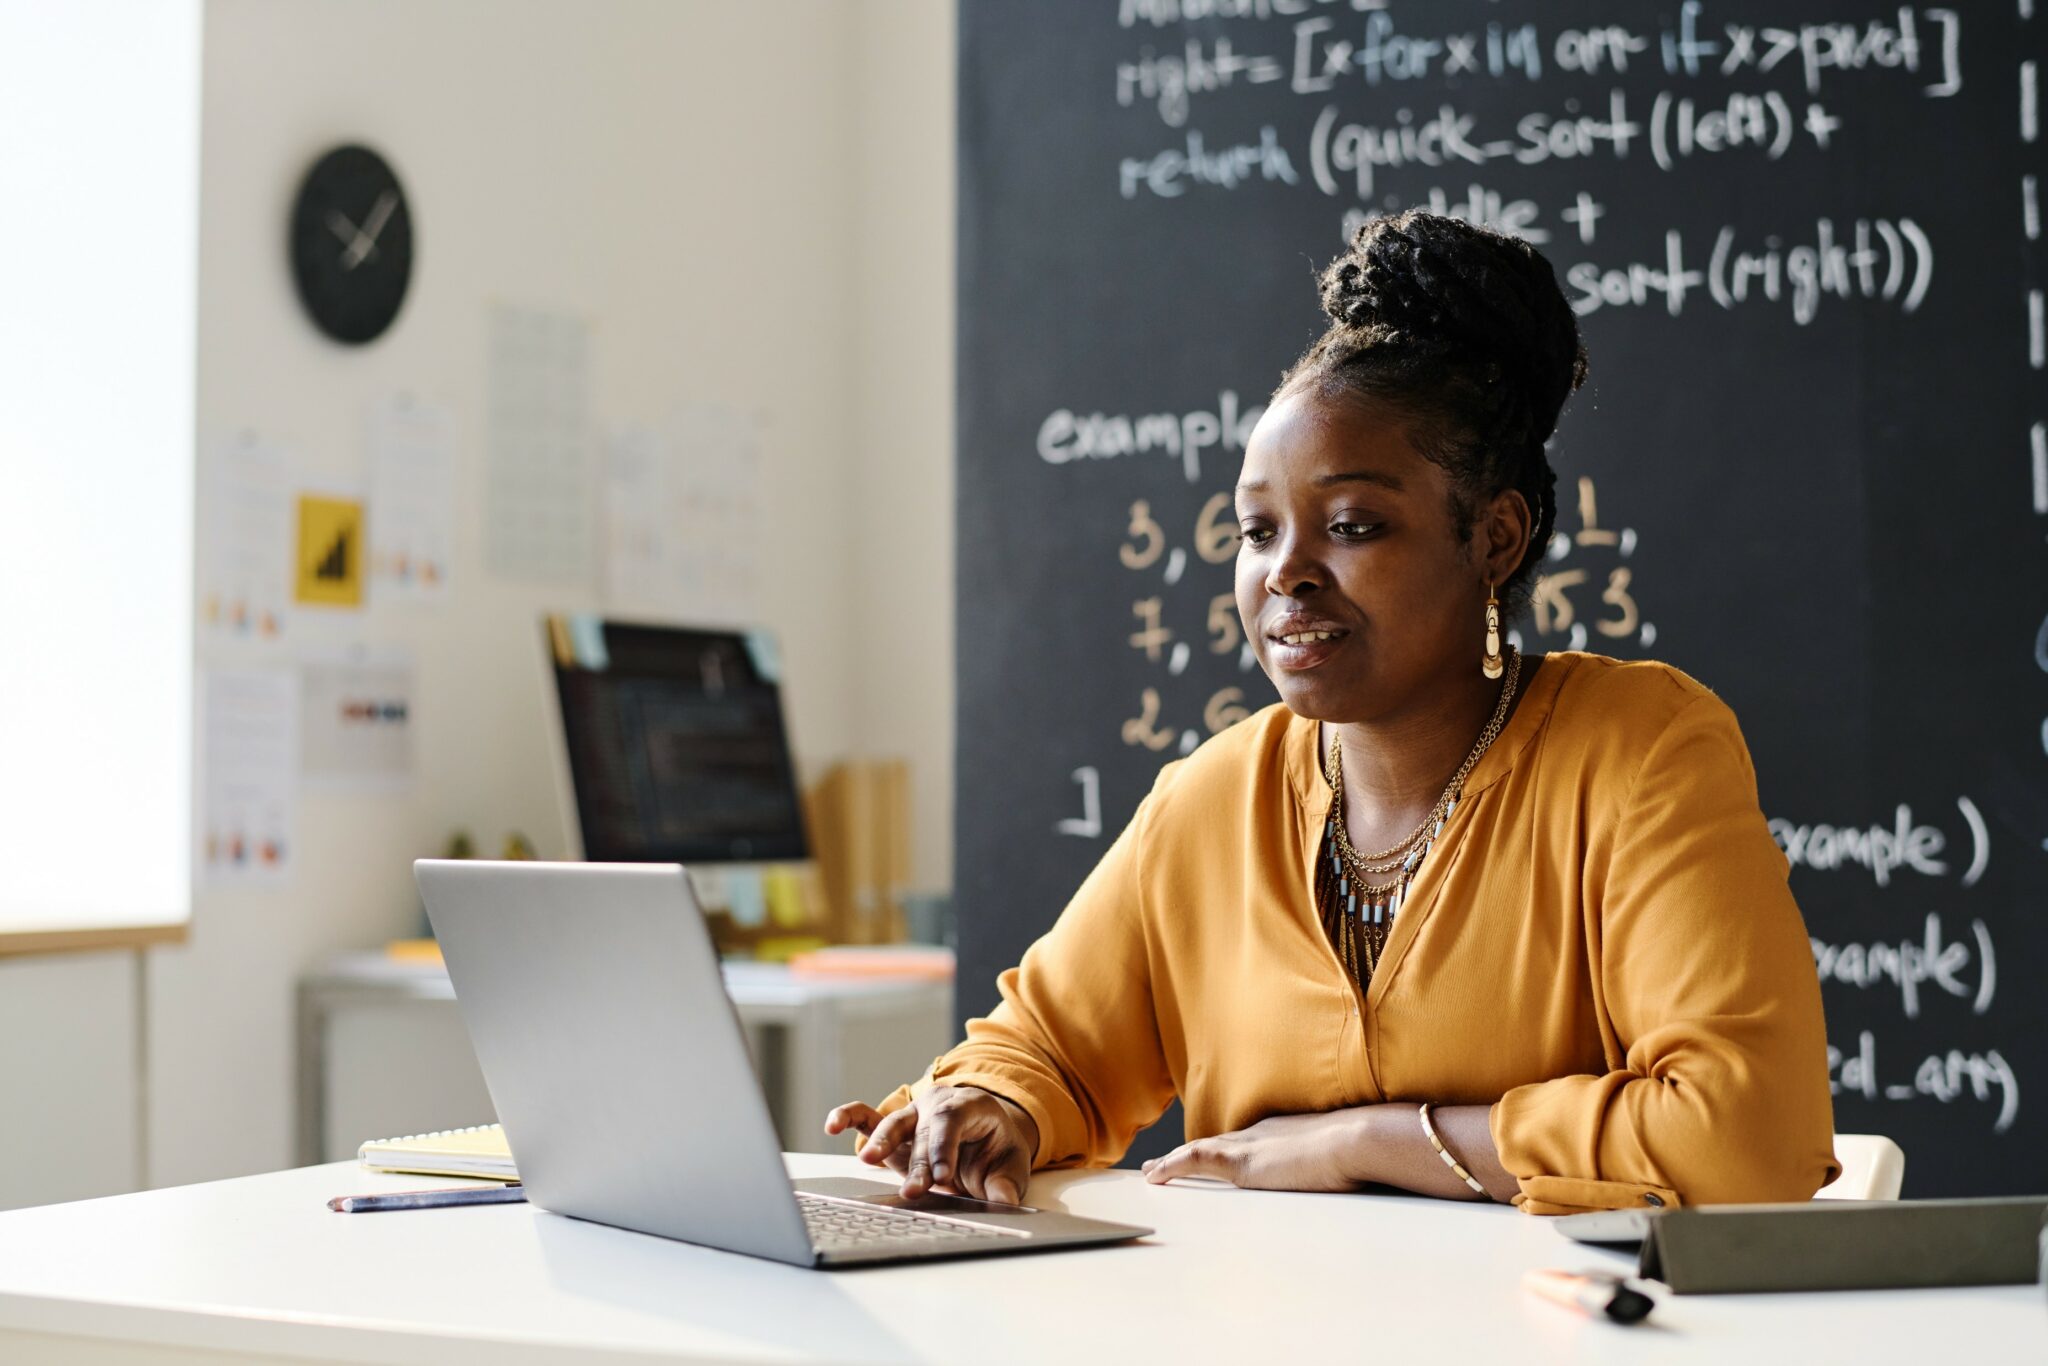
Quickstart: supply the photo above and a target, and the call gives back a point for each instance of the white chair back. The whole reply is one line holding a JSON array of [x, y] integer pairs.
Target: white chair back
[[1873, 1168]]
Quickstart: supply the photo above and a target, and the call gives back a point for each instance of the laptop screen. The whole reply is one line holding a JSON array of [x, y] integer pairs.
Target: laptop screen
[[676, 745]]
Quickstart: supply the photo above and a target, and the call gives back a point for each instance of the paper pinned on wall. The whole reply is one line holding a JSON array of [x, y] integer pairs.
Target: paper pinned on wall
[[245, 538], [537, 485], [356, 721], [683, 526], [635, 490], [412, 499], [249, 771], [330, 551]]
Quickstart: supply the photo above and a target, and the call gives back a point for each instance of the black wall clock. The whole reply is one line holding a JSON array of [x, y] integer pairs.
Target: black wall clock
[[351, 244]]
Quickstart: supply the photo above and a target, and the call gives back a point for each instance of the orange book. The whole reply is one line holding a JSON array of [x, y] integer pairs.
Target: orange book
[[919, 962]]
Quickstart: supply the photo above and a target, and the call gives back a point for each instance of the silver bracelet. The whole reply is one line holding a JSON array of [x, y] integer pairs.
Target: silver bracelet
[[1429, 1131]]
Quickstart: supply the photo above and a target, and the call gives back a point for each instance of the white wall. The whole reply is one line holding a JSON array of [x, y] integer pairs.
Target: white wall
[[903, 389], [752, 204]]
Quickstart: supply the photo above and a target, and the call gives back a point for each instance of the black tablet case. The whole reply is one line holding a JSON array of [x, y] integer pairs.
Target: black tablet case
[[1839, 1244]]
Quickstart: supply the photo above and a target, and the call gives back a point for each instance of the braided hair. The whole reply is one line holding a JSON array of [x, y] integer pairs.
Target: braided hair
[[1463, 332]]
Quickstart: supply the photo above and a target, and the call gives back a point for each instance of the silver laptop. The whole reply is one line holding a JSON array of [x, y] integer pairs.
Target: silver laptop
[[617, 1066]]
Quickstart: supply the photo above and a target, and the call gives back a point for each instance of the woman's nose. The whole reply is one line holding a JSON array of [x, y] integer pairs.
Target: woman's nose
[[1293, 573]]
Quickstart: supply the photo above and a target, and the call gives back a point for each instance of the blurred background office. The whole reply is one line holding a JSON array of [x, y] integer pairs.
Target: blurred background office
[[797, 438], [709, 244]]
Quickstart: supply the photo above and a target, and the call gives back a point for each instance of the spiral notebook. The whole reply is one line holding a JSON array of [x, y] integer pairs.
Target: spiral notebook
[[480, 1151]]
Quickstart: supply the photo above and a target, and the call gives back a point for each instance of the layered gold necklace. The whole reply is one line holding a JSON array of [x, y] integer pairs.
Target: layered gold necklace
[[1358, 894]]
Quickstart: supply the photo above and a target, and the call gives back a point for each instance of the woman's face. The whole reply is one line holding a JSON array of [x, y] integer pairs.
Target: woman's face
[[1354, 587]]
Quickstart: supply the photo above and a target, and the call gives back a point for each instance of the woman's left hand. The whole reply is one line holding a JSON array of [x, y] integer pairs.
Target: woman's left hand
[[1283, 1153]]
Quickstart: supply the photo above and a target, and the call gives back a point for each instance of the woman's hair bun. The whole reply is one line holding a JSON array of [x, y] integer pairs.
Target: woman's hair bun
[[1426, 288]]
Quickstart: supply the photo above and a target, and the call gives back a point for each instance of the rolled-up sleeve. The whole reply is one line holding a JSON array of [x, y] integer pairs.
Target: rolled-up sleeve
[[1705, 987], [1075, 1040]]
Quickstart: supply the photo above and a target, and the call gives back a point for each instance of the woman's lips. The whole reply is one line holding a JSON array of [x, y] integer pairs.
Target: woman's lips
[[1295, 650]]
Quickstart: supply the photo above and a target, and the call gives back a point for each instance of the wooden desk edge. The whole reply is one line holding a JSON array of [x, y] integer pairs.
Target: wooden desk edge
[[19, 943]]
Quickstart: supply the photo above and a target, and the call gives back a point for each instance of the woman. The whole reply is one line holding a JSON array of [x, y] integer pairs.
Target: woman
[[1444, 919]]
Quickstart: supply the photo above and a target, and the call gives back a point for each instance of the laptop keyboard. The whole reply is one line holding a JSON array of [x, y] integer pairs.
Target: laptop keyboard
[[840, 1225]]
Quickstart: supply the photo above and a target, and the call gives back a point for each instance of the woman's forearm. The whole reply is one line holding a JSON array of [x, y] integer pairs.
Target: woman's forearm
[[1391, 1149]]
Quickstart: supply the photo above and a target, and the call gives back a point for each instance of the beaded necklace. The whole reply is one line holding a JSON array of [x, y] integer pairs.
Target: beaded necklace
[[1355, 895]]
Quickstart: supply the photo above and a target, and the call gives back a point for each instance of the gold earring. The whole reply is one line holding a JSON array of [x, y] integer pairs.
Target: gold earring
[[1492, 665]]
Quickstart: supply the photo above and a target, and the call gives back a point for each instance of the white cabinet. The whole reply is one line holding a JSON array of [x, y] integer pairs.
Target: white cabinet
[[382, 1050]]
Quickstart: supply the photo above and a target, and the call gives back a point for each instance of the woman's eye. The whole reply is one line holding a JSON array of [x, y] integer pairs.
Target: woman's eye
[[1254, 535], [1355, 530]]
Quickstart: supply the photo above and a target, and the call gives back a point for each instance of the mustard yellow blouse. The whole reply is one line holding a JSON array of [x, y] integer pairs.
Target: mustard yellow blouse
[[1601, 946]]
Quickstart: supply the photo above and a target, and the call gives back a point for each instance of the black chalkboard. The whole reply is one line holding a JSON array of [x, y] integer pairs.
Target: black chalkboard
[[1810, 468]]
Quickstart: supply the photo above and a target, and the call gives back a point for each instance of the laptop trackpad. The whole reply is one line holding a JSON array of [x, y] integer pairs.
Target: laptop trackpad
[[888, 1195]]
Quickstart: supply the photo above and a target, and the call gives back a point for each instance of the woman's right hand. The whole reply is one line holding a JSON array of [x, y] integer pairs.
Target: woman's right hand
[[960, 1138]]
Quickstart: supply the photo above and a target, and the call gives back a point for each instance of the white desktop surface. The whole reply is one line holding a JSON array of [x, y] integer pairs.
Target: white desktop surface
[[258, 1265]]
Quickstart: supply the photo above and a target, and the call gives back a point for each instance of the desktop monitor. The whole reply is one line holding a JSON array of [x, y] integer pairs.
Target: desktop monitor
[[674, 742]]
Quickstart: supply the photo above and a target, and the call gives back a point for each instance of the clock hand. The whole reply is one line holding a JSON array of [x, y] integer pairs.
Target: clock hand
[[338, 224], [380, 213], [360, 246]]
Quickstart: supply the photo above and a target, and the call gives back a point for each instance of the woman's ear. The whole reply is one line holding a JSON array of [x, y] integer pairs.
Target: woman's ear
[[1505, 525]]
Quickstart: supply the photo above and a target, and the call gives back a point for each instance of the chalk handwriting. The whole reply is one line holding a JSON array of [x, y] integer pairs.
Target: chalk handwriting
[[1876, 259], [1488, 208], [1884, 849], [1166, 80], [1555, 607], [1066, 435], [1880, 849], [1087, 825], [1165, 13], [1911, 964], [1946, 1077], [1143, 729], [1316, 54], [1170, 173], [1815, 50], [1348, 156], [1214, 537], [1148, 538]]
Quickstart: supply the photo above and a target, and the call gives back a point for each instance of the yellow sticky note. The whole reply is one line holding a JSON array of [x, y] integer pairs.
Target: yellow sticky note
[[785, 898], [330, 551]]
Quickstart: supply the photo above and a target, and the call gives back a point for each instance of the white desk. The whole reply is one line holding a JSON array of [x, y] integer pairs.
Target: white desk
[[382, 1049], [259, 1266]]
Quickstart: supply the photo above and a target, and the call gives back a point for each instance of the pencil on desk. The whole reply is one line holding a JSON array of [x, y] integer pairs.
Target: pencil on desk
[[510, 1194]]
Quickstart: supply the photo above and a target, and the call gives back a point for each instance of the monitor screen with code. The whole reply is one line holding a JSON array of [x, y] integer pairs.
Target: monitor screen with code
[[676, 745]]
